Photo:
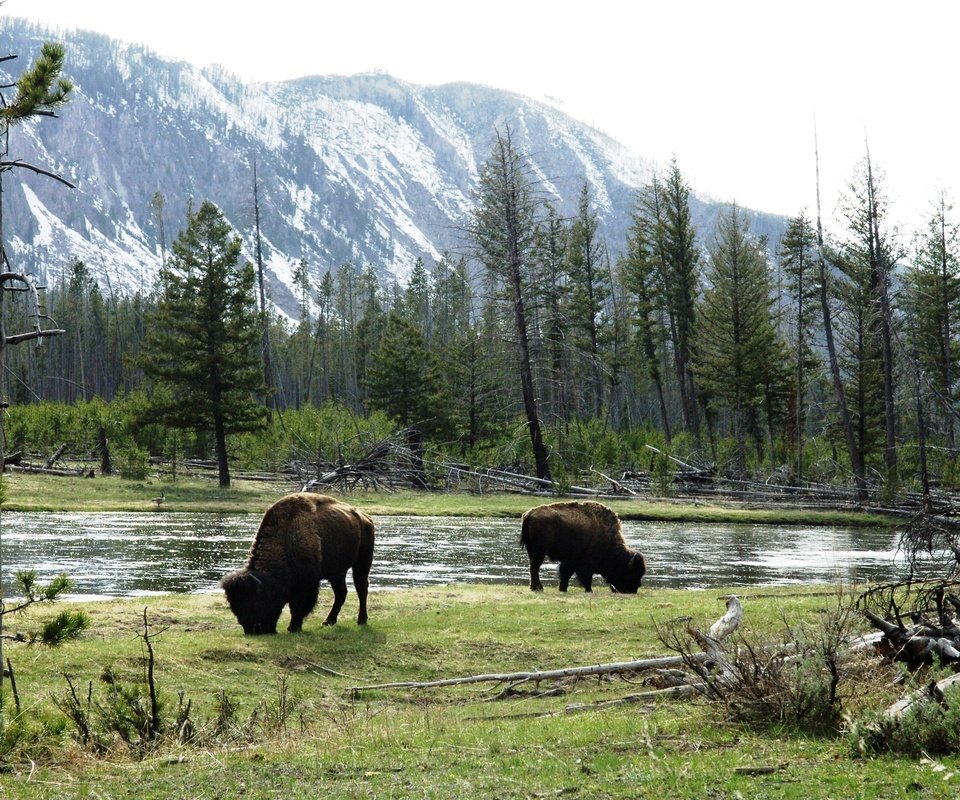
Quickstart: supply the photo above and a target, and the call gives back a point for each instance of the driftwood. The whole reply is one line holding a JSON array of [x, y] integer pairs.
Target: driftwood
[[920, 643], [64, 473], [657, 662], [931, 692], [712, 657], [681, 692], [53, 459], [729, 622]]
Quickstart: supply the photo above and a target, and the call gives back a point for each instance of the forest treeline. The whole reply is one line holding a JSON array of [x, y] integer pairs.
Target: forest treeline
[[819, 357]]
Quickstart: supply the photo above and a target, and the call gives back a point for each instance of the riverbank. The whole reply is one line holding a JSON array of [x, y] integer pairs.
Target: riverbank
[[275, 716], [33, 492]]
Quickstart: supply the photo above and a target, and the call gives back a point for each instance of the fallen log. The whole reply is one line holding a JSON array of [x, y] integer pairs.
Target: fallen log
[[916, 645], [681, 692], [53, 459], [730, 621], [63, 473], [657, 662], [931, 692]]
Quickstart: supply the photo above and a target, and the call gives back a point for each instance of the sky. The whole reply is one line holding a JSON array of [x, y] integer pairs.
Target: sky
[[738, 91]]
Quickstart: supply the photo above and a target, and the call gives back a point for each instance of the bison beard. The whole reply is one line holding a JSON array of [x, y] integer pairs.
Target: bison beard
[[303, 538], [585, 538]]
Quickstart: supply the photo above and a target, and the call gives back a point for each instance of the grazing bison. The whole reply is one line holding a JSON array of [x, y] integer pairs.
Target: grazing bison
[[585, 538], [302, 539]]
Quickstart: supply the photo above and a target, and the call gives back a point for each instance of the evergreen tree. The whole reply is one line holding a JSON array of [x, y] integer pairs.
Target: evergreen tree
[[798, 260], [550, 249], [404, 378], [346, 382], [641, 278], [321, 358], [203, 341], [679, 267], [41, 89], [503, 228], [416, 299], [369, 328], [870, 255], [932, 303], [736, 343], [589, 289]]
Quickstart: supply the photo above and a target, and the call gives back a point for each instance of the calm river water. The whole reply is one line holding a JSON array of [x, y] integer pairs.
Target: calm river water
[[111, 555]]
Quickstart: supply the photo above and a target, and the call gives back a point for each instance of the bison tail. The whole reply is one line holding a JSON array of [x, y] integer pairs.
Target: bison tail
[[525, 531]]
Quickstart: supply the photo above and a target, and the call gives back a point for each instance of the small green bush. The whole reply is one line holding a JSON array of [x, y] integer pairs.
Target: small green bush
[[134, 463], [927, 728]]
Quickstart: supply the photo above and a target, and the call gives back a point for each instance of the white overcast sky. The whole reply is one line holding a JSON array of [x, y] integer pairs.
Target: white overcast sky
[[734, 89]]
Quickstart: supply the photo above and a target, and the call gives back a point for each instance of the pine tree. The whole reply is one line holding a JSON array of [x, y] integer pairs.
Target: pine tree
[[40, 89], [932, 303], [321, 358], [204, 338], [869, 257], [589, 289], [641, 278], [679, 267], [404, 378], [416, 299], [551, 278], [369, 328], [503, 228], [736, 342], [798, 260]]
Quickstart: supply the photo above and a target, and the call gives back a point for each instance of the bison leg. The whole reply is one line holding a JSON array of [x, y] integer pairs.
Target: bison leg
[[535, 563], [339, 586], [566, 571], [301, 604], [586, 580], [360, 583]]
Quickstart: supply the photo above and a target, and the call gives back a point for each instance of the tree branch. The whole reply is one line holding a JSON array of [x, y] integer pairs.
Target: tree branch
[[5, 165]]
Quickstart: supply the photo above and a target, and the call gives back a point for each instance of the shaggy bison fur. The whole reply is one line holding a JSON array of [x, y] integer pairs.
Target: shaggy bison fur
[[303, 538], [585, 538]]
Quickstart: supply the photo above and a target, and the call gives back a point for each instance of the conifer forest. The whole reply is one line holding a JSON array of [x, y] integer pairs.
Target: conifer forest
[[539, 347]]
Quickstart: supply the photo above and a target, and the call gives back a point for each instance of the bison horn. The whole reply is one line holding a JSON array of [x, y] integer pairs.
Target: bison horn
[[257, 581], [633, 560]]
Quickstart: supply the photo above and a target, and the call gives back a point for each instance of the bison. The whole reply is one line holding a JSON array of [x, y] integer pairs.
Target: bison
[[303, 538], [585, 538]]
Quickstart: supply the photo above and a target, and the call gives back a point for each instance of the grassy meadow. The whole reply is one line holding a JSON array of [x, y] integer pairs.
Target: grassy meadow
[[277, 716]]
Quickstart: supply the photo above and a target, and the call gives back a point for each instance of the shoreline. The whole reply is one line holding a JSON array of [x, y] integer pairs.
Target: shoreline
[[57, 494]]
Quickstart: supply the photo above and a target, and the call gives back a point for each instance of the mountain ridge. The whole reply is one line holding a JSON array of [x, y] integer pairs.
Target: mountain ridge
[[363, 168]]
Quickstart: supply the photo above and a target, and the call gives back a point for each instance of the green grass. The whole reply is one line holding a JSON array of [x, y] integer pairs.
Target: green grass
[[441, 743], [32, 492]]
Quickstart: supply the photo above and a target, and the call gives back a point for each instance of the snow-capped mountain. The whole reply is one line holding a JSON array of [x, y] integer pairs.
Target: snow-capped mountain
[[365, 168]]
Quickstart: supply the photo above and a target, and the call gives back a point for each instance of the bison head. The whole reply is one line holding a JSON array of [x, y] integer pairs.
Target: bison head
[[253, 600], [631, 573]]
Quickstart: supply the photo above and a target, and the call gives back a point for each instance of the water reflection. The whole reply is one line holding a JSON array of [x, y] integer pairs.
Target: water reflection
[[134, 554]]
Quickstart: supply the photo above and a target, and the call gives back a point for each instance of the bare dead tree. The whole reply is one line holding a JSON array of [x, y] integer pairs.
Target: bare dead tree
[[856, 457]]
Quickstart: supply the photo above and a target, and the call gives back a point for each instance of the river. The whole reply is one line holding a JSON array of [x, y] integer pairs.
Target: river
[[124, 554]]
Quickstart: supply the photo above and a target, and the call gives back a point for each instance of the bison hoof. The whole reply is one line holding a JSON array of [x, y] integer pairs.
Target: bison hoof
[[329, 622]]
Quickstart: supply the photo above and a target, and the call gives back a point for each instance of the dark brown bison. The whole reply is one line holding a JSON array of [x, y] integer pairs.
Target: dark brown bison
[[585, 538], [302, 539]]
